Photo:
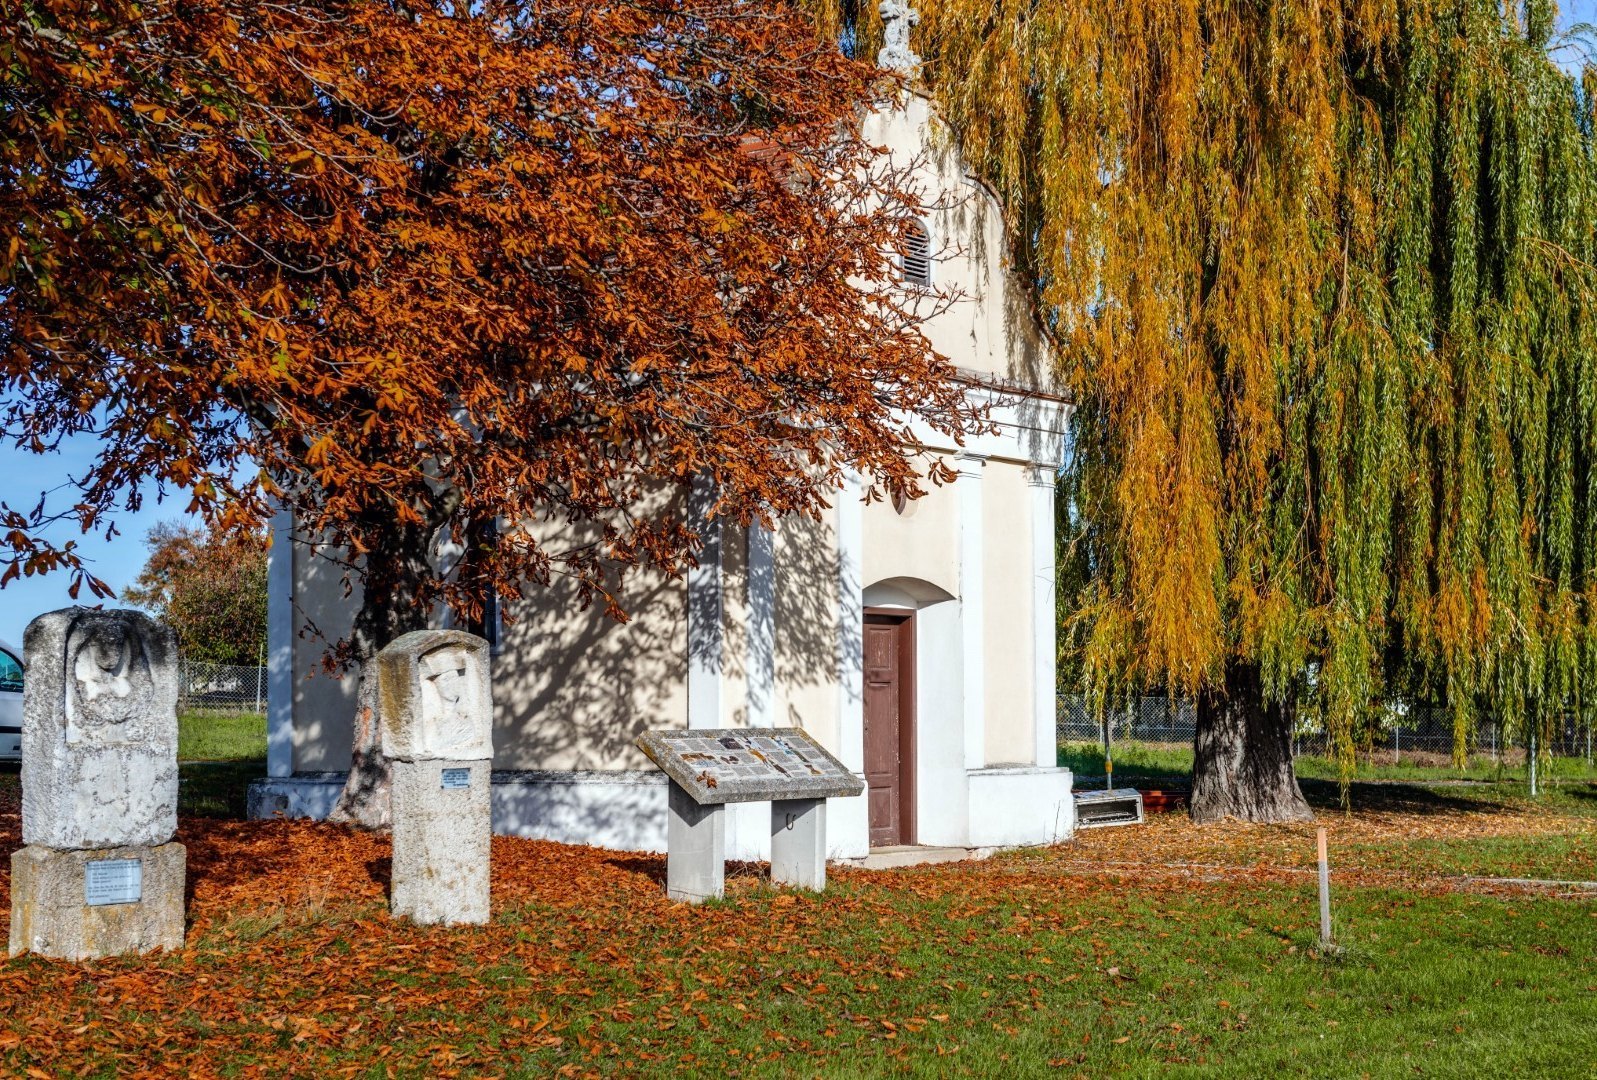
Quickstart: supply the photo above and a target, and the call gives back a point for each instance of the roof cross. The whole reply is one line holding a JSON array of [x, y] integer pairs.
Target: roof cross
[[898, 16]]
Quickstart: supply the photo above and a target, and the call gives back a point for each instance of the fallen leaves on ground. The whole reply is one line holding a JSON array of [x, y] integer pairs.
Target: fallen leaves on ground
[[1411, 837], [293, 966]]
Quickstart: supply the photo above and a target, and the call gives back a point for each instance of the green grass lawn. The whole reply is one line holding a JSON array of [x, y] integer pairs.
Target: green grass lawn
[[219, 754], [1024, 965], [1133, 761], [221, 736], [1481, 768], [216, 789], [1164, 950]]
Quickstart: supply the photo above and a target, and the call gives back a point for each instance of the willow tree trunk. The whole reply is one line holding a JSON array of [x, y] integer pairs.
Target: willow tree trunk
[[390, 606], [1242, 760]]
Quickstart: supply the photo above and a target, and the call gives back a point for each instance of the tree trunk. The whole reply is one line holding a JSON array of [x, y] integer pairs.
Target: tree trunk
[[1242, 759], [390, 606], [364, 802]]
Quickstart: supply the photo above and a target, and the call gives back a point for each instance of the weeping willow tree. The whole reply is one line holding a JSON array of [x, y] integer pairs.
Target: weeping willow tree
[[1322, 275]]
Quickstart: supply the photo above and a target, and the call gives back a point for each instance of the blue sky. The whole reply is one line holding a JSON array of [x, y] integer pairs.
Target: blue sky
[[1570, 12], [24, 476]]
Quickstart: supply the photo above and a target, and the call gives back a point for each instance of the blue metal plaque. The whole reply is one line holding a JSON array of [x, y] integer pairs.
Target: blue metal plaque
[[113, 881], [456, 779]]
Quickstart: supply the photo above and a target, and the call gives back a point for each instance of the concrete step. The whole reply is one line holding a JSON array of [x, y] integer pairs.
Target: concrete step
[[890, 858]]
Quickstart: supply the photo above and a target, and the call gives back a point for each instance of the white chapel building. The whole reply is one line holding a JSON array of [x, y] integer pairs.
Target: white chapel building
[[915, 642]]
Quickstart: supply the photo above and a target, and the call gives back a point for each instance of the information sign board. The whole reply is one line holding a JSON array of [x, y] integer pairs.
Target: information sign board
[[749, 764]]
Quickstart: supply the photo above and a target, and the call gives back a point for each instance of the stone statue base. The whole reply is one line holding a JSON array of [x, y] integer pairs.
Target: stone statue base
[[443, 827], [81, 905]]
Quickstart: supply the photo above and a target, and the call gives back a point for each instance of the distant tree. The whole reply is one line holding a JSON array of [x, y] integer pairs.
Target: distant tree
[[445, 272], [210, 588]]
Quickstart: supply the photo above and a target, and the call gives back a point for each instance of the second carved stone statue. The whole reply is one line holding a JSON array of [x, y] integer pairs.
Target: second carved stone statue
[[437, 731]]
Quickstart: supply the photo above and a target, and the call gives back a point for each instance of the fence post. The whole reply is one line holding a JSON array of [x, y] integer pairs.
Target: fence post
[[1530, 756], [1108, 752], [1325, 890]]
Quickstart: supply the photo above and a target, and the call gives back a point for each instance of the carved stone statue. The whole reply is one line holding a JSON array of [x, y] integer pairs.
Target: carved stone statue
[[452, 705], [108, 686], [437, 702], [898, 18], [99, 875], [99, 730], [437, 731]]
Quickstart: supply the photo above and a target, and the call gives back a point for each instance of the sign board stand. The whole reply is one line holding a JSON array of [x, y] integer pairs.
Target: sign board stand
[[708, 769], [798, 843], [695, 868]]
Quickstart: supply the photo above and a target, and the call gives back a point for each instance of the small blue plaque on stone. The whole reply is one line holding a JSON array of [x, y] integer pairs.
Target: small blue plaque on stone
[[113, 881], [456, 779]]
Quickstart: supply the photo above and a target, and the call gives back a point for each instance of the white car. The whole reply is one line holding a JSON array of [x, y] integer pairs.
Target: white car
[[10, 702]]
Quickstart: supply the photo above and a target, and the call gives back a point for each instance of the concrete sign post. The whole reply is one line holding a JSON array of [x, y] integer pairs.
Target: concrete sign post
[[437, 731], [99, 875], [695, 840], [709, 769], [798, 843]]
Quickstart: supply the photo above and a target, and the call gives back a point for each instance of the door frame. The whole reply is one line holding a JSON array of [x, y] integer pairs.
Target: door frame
[[908, 786]]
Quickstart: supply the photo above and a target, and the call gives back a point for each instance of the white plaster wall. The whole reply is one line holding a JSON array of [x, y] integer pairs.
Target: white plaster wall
[[574, 688], [806, 620], [324, 704], [921, 543], [619, 811], [941, 796], [734, 627], [1026, 805], [1007, 633], [990, 329]]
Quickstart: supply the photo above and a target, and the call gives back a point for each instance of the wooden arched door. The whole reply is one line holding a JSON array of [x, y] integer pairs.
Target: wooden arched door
[[890, 726]]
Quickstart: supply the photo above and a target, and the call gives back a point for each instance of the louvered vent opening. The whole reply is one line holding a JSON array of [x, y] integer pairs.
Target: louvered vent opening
[[917, 257]]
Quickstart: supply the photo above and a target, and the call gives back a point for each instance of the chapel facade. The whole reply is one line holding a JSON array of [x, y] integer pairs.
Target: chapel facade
[[915, 641]]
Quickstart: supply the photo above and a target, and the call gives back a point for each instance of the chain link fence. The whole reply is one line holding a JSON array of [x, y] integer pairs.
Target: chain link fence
[[1149, 720], [232, 689], [1418, 731]]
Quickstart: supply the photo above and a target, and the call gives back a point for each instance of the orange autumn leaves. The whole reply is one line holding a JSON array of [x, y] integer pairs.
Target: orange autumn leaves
[[292, 965], [418, 272]]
